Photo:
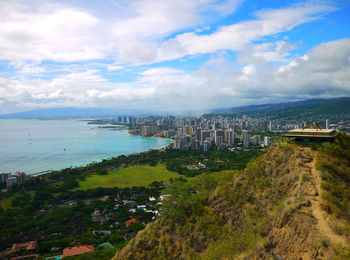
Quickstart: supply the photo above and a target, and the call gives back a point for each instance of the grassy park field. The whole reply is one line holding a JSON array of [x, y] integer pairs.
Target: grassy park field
[[140, 175], [5, 203]]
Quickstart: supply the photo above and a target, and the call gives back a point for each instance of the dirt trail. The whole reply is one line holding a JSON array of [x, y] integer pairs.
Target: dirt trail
[[318, 213]]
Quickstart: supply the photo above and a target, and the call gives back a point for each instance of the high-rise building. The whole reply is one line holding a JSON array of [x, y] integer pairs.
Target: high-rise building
[[245, 139], [262, 125], [171, 133], [206, 134], [229, 137], [11, 181], [256, 140], [219, 140], [187, 130], [243, 125], [4, 177], [266, 141], [207, 127], [198, 133], [195, 145], [21, 177], [148, 130], [327, 123], [216, 126], [219, 137], [206, 145]]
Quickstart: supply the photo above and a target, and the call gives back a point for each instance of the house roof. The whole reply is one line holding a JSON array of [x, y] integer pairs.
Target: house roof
[[18, 247], [311, 132], [78, 250], [131, 221], [32, 256]]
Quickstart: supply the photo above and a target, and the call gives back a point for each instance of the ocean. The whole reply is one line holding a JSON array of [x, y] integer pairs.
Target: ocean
[[34, 145]]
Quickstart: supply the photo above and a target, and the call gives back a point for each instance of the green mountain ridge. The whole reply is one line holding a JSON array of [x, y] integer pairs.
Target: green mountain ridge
[[312, 107], [290, 203]]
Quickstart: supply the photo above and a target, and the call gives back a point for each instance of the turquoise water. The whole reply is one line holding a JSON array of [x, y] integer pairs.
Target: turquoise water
[[33, 145]]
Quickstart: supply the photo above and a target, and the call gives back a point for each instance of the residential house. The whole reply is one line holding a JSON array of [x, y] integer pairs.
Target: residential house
[[78, 250]]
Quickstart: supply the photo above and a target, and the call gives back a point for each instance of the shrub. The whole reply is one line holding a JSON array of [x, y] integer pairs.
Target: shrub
[[101, 171], [302, 178], [299, 162]]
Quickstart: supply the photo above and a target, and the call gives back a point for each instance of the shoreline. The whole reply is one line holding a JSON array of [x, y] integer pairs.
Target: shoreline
[[166, 138], [42, 173]]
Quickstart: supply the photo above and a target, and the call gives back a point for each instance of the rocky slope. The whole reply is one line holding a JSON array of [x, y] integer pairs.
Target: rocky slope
[[274, 209]]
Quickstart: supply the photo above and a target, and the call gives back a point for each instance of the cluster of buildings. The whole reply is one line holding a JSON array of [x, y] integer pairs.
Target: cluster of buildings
[[19, 248], [203, 133], [12, 180], [204, 139], [27, 251]]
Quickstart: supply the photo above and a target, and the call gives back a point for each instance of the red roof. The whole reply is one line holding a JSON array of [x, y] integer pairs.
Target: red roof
[[33, 256], [18, 247], [131, 221], [78, 250]]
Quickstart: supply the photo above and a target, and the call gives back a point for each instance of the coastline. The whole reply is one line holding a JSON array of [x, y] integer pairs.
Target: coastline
[[166, 138], [43, 173], [65, 147]]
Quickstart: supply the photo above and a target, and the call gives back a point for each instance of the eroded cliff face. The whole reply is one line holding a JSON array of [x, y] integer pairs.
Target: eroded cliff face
[[273, 209]]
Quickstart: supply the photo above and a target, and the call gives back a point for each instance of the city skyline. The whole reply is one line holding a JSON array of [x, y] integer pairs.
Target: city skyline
[[188, 55]]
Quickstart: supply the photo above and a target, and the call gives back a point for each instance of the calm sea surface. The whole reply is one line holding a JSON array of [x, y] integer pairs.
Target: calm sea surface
[[33, 145]]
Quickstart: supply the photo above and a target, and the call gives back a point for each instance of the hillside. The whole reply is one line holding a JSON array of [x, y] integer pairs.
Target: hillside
[[290, 203], [312, 107]]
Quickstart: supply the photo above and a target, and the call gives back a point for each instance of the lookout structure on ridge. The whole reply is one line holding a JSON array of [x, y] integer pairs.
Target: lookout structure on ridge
[[312, 133]]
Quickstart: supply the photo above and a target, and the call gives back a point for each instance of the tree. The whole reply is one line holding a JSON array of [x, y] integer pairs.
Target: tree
[[101, 171], [21, 200]]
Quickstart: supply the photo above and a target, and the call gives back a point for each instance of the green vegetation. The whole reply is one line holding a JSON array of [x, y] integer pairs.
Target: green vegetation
[[334, 166], [56, 209], [101, 171], [291, 110], [213, 161], [253, 213], [215, 215], [141, 175], [5, 203]]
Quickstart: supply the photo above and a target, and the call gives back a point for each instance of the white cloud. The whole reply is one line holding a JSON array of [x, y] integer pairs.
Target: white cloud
[[179, 90], [58, 31], [236, 36], [84, 43], [52, 32], [114, 67]]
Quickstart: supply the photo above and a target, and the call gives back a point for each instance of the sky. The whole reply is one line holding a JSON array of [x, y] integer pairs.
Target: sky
[[171, 55]]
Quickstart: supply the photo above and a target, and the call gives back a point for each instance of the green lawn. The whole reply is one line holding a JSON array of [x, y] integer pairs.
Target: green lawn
[[140, 175], [5, 203]]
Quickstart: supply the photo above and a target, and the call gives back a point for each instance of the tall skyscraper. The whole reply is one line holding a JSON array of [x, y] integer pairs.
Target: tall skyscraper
[[229, 137], [256, 140], [206, 146], [205, 135], [266, 141], [245, 139], [219, 137]]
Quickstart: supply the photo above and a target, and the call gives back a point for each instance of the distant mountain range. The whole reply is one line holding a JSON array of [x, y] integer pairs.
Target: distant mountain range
[[292, 109], [70, 112], [282, 110]]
